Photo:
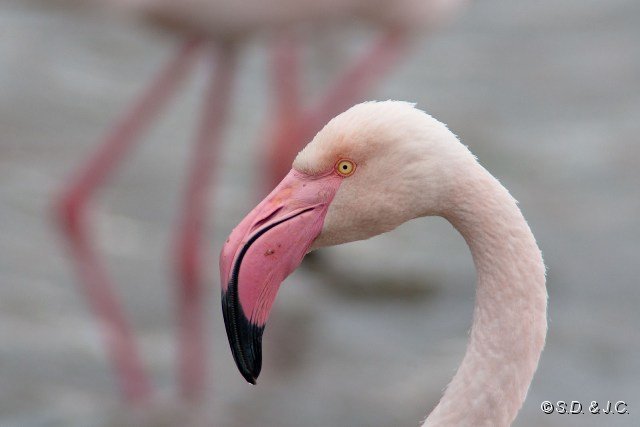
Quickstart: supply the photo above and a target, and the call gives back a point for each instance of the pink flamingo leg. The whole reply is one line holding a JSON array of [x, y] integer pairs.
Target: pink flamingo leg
[[286, 75], [350, 87], [358, 80], [285, 81], [72, 211], [192, 345]]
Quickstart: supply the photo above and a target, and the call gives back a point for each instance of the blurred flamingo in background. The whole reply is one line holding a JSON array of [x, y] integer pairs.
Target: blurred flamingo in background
[[217, 28], [370, 169]]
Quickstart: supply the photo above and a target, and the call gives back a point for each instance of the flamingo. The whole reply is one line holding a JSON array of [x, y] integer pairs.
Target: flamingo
[[370, 169], [219, 27]]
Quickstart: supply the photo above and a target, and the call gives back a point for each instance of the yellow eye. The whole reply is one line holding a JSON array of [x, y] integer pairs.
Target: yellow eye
[[345, 167]]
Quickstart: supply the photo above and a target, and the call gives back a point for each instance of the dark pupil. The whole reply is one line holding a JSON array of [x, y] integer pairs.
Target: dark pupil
[[344, 167]]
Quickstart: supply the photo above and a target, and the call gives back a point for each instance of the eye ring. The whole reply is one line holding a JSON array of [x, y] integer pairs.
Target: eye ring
[[345, 167]]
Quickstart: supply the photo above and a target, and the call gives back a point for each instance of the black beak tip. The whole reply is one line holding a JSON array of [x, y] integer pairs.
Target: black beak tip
[[245, 338], [251, 379], [249, 363]]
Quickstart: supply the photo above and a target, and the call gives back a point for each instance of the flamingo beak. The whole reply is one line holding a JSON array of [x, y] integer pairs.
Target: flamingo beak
[[261, 252]]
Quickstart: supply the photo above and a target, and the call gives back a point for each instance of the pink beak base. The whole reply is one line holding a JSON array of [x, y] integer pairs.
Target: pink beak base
[[261, 252]]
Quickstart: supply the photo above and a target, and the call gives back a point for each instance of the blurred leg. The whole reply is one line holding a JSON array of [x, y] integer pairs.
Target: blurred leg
[[285, 67], [190, 250], [72, 211], [297, 128], [282, 144], [357, 80]]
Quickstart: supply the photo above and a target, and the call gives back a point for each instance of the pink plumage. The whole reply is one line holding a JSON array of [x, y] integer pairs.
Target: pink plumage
[[408, 165]]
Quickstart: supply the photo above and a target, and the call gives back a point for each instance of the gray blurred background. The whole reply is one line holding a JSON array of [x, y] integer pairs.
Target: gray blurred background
[[545, 93]]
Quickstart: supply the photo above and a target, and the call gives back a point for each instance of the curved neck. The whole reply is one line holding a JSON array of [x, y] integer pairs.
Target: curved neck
[[509, 320]]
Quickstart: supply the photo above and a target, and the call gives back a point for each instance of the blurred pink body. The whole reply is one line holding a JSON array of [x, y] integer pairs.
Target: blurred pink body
[[225, 19]]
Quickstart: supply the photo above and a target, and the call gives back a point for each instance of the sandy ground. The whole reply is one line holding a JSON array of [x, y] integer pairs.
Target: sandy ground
[[547, 94]]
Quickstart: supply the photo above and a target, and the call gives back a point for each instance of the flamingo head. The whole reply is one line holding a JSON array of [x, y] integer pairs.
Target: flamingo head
[[370, 169]]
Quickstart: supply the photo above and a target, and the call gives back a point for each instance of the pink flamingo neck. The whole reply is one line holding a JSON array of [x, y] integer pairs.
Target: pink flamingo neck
[[509, 322]]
